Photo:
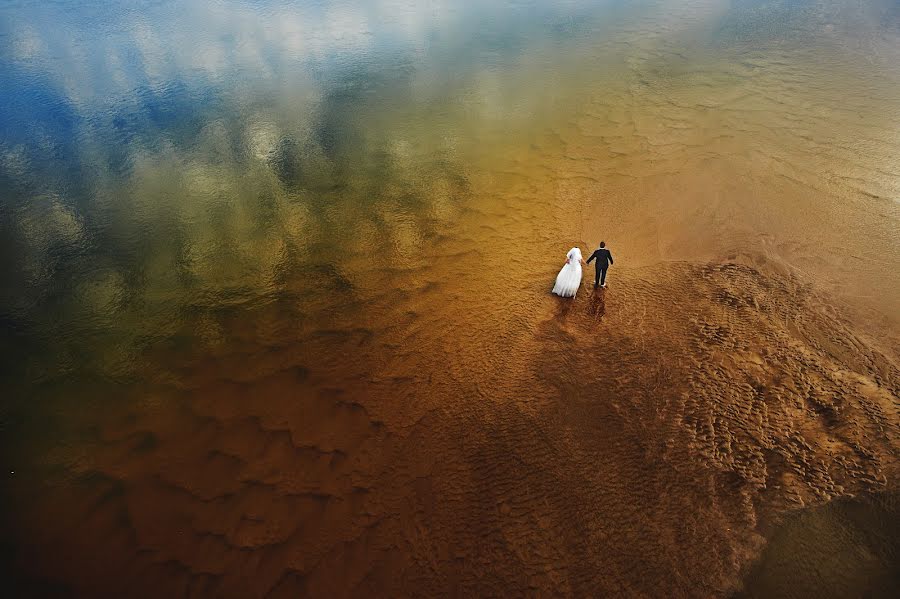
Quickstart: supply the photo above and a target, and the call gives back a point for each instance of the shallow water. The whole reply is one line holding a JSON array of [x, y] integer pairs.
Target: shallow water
[[842, 549], [275, 290]]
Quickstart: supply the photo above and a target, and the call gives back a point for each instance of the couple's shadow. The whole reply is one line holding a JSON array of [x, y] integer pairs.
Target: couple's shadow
[[594, 309]]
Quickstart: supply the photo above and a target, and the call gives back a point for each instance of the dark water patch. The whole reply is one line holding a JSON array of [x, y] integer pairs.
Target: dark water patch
[[845, 548]]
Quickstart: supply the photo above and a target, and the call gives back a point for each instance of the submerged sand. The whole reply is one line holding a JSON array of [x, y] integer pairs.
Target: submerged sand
[[635, 441], [323, 360]]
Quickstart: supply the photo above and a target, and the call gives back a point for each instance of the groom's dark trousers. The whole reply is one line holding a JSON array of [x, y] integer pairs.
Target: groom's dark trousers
[[604, 258]]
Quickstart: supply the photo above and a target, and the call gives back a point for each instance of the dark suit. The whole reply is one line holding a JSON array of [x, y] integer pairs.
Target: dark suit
[[604, 260]]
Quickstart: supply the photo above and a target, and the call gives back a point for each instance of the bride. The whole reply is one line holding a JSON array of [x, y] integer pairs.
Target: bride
[[569, 278]]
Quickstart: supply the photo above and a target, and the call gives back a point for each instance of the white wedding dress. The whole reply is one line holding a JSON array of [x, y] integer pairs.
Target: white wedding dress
[[569, 278]]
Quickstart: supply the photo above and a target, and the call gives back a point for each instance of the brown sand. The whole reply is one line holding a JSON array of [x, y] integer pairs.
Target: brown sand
[[633, 441], [407, 411]]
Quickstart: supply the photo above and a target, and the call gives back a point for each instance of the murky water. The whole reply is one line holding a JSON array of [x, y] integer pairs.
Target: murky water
[[274, 287]]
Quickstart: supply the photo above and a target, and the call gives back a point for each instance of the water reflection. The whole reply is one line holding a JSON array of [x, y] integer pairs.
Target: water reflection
[[154, 161], [317, 238]]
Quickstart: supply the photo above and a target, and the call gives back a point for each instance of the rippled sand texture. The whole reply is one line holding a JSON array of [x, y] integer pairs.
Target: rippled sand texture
[[587, 454], [313, 351]]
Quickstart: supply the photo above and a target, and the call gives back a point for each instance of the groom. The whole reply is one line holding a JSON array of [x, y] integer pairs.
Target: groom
[[604, 260]]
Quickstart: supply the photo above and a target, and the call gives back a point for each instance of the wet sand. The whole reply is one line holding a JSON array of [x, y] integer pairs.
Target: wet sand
[[634, 441], [334, 369]]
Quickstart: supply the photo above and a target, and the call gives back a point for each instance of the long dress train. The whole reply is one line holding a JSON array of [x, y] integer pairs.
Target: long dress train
[[569, 278]]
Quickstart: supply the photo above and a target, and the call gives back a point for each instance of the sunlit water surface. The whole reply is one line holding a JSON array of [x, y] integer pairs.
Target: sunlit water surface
[[274, 288]]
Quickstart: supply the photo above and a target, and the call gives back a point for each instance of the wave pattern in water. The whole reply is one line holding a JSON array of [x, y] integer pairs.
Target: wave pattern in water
[[276, 301]]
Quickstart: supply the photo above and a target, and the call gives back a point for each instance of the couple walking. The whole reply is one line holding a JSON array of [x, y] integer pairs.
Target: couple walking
[[569, 278]]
